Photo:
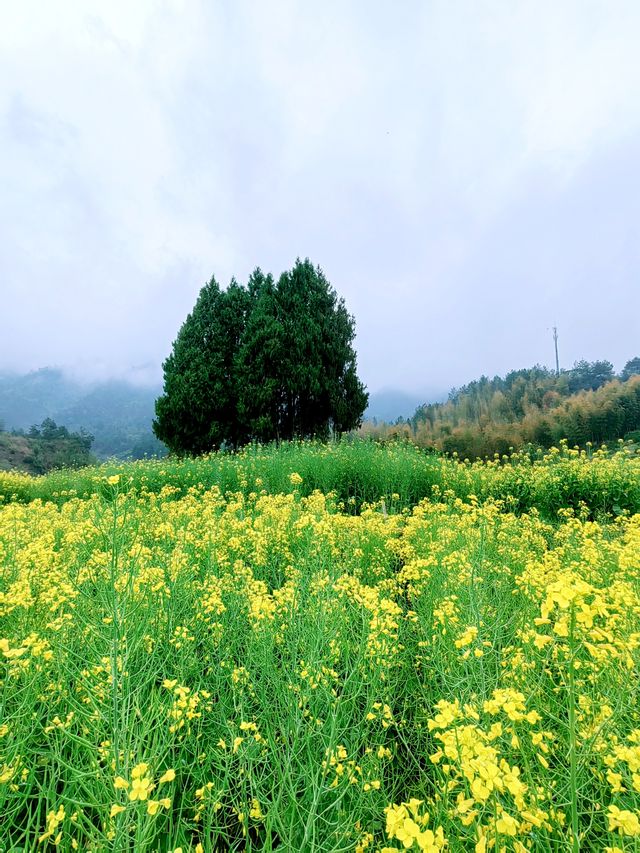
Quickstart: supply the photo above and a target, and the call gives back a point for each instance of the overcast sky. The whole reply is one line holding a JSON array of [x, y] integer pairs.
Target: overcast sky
[[467, 174]]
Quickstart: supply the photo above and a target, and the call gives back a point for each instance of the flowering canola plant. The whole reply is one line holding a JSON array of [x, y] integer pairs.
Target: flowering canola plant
[[198, 669]]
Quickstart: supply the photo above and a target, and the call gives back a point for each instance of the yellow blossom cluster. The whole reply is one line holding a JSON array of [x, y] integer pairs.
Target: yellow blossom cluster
[[318, 674], [408, 825]]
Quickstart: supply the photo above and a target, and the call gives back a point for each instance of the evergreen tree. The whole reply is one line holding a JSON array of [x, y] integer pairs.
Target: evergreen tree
[[631, 368], [588, 376], [258, 359], [297, 364], [198, 410], [271, 361]]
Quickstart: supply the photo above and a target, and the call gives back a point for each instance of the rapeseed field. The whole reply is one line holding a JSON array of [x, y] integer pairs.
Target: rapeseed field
[[355, 648]]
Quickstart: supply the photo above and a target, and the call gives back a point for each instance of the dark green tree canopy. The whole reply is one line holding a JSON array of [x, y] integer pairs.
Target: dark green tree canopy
[[631, 368], [588, 376], [269, 361]]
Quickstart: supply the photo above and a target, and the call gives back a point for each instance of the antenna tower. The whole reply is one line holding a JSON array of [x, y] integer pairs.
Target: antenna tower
[[555, 341]]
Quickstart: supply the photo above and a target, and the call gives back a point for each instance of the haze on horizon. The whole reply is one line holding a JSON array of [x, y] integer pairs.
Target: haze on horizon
[[466, 175]]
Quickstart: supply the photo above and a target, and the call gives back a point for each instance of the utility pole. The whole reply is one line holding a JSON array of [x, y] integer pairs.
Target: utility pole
[[555, 341]]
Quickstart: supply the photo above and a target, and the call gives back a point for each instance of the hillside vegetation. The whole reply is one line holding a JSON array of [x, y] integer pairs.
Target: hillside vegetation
[[533, 407], [213, 654], [44, 449]]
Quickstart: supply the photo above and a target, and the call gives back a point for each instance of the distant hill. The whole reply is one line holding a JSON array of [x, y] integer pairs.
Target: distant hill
[[118, 414], [390, 404], [29, 398]]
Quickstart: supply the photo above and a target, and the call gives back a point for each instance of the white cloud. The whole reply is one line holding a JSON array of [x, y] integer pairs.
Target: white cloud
[[149, 145]]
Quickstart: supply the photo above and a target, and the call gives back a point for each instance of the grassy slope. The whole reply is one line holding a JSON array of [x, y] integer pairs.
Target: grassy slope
[[37, 456], [363, 472], [15, 450]]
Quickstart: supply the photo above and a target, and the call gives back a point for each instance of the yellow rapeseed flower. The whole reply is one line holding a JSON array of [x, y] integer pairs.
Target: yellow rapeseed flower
[[169, 776], [139, 770], [625, 821], [140, 788]]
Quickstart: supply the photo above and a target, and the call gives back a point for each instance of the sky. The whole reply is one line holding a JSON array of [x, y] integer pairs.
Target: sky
[[467, 175]]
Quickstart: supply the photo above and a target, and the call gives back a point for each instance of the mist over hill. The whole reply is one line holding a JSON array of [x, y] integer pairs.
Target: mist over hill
[[117, 413], [389, 404]]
